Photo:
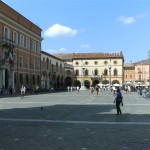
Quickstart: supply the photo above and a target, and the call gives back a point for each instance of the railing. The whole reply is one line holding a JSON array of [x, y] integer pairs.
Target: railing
[[96, 76], [7, 42]]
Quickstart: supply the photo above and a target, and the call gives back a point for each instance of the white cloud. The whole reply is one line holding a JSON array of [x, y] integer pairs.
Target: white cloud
[[85, 46], [52, 51], [130, 20], [127, 20], [60, 31]]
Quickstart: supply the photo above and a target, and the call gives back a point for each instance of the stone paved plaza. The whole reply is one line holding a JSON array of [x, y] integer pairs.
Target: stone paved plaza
[[74, 121]]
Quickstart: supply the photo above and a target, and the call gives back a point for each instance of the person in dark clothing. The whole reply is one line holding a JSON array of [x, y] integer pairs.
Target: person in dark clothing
[[118, 101]]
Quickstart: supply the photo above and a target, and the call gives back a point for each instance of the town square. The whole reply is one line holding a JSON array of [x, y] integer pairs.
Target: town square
[[74, 75]]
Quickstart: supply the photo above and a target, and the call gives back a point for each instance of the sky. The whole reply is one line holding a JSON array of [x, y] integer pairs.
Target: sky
[[74, 26]]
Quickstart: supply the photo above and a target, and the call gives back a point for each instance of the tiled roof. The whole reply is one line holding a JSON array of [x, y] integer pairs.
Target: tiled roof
[[143, 62], [96, 55], [64, 56]]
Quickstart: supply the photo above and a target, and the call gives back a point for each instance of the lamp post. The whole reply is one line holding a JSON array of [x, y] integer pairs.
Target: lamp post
[[149, 67], [83, 87], [110, 75]]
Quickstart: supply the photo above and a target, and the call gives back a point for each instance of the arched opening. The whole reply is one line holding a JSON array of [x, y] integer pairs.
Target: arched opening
[[115, 81], [6, 78], [58, 82], [87, 83], [115, 72], [77, 83], [68, 81], [105, 82], [95, 82], [105, 72]]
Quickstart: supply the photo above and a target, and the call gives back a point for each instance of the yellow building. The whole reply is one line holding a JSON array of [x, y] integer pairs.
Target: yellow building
[[129, 73], [98, 67]]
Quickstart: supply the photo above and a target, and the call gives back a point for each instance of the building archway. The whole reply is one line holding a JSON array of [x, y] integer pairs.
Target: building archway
[[105, 82], [77, 83], [87, 83], [115, 81], [68, 81], [95, 82]]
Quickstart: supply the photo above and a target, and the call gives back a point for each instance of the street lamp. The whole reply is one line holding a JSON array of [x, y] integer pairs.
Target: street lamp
[[149, 67], [110, 75], [83, 71]]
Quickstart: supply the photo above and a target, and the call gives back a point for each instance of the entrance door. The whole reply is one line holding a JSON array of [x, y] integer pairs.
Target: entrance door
[[6, 78]]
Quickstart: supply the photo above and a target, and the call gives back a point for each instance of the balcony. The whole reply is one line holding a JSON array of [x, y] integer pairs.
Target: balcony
[[96, 76], [7, 42]]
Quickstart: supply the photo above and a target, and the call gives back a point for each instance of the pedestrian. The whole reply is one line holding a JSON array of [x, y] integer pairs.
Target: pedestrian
[[71, 88], [92, 90], [10, 89], [23, 90], [68, 88], [78, 89], [36, 89], [118, 100], [97, 90]]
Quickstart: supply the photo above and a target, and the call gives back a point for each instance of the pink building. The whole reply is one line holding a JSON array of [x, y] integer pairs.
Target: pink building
[[142, 73]]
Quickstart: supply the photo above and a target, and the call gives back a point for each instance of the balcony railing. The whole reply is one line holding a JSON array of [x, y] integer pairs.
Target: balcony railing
[[96, 76], [7, 42]]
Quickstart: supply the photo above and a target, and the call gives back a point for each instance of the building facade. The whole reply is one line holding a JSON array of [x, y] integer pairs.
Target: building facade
[[129, 74], [20, 46], [98, 68], [52, 72], [142, 73]]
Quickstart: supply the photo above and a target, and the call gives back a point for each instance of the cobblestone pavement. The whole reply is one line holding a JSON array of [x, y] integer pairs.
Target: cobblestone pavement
[[71, 121]]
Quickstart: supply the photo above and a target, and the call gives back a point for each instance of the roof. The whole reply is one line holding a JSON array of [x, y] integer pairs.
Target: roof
[[97, 55], [94, 55], [128, 65], [45, 53], [143, 62], [64, 56]]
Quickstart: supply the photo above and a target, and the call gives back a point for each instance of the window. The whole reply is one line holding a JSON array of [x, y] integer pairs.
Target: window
[[126, 76], [27, 63], [21, 79], [34, 46], [105, 72], [38, 79], [14, 59], [86, 63], [105, 62], [20, 61], [115, 62], [38, 47], [15, 37], [95, 62], [21, 40], [56, 66], [77, 72], [27, 79], [96, 72], [86, 72], [6, 33], [77, 63], [140, 77], [47, 63], [130, 75], [33, 78], [27, 43], [115, 72], [33, 64]]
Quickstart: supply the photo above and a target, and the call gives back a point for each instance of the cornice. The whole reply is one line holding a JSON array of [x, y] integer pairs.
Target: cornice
[[17, 26]]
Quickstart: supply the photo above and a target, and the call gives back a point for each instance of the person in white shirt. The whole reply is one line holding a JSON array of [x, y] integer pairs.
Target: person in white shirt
[[23, 90]]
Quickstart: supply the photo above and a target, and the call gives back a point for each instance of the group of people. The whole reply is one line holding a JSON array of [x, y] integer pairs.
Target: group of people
[[71, 89], [23, 90]]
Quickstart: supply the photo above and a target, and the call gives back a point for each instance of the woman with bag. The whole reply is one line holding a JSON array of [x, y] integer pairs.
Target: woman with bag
[[118, 101]]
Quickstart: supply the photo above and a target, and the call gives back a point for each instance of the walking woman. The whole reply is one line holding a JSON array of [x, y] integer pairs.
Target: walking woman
[[118, 101]]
